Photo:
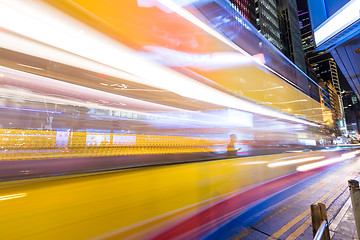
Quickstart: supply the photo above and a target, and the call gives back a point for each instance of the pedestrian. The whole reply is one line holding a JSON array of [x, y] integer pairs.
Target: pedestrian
[[231, 151]]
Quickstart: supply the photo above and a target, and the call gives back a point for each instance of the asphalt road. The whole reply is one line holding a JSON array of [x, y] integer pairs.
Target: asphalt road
[[286, 215]]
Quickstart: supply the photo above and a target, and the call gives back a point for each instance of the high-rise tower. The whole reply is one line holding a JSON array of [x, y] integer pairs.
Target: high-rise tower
[[321, 62], [246, 8], [267, 21], [290, 33], [325, 69]]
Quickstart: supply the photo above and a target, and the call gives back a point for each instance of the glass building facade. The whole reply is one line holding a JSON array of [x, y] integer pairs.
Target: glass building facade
[[321, 62], [278, 22], [246, 8], [267, 21], [290, 33], [322, 68]]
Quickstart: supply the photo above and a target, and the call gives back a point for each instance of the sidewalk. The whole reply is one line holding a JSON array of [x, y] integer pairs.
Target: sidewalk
[[343, 226]]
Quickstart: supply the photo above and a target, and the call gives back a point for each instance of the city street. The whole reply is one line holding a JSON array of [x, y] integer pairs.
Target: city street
[[286, 215]]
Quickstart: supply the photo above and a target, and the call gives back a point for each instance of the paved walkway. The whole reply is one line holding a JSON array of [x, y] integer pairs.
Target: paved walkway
[[343, 226]]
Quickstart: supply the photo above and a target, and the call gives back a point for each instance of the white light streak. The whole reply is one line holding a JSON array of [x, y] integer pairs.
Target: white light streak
[[12, 196], [261, 90], [295, 161], [311, 166], [252, 163], [23, 78], [36, 68]]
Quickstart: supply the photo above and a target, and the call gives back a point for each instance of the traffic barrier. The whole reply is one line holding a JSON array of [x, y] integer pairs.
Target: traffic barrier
[[319, 222], [355, 201]]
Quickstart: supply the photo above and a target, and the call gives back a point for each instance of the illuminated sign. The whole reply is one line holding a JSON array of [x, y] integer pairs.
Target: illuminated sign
[[343, 18]]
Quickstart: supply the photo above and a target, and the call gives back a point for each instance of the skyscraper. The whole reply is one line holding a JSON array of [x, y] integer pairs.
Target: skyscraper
[[246, 8], [306, 33], [323, 65], [278, 22], [352, 112], [334, 101], [290, 33], [321, 62], [336, 29], [267, 21]]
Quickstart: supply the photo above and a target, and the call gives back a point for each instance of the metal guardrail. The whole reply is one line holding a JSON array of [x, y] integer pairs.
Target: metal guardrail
[[321, 230], [319, 222], [319, 217]]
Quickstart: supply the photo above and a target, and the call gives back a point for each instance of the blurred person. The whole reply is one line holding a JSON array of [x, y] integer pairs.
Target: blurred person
[[93, 142], [105, 142], [231, 150]]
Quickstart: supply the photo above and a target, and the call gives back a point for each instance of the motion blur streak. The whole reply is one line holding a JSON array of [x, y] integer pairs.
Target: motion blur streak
[[74, 91], [187, 15], [253, 163], [343, 157], [42, 26], [94, 94], [19, 78], [12, 196], [141, 203], [207, 61], [278, 164]]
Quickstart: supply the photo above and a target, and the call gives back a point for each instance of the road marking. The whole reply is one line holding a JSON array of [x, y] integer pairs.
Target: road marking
[[299, 230], [247, 231], [291, 204], [307, 223], [287, 226]]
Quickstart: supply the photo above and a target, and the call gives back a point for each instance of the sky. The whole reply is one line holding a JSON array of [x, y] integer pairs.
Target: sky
[[302, 5]]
